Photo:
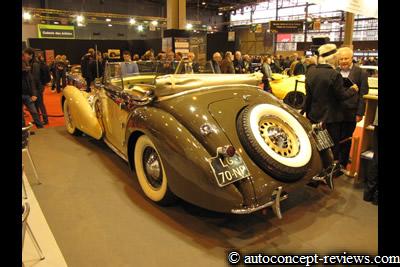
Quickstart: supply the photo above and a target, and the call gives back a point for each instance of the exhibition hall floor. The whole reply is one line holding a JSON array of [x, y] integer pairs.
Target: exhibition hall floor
[[99, 216]]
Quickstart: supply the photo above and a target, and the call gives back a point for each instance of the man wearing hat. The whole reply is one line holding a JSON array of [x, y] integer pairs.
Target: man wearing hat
[[325, 94]]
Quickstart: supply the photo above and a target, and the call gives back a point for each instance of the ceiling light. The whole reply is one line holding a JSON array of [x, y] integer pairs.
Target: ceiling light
[[203, 3], [132, 21], [140, 28], [154, 23], [189, 26], [220, 13], [80, 18], [56, 22], [109, 25], [27, 16], [108, 20]]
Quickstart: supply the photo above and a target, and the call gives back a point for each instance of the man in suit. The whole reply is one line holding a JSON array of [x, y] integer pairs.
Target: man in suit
[[325, 94], [354, 107]]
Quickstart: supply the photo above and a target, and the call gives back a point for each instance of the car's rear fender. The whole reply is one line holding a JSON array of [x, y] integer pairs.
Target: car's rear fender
[[184, 158]]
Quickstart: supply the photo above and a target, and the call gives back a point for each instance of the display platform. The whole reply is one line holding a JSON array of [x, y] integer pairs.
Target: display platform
[[100, 217]]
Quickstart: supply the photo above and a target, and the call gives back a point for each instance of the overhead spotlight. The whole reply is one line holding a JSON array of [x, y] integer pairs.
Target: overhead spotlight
[[80, 18], [189, 26], [203, 3], [109, 25], [27, 16], [140, 28], [154, 23], [132, 21], [220, 13], [233, 12], [108, 20]]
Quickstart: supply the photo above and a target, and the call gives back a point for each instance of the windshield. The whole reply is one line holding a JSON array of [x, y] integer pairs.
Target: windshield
[[157, 68]]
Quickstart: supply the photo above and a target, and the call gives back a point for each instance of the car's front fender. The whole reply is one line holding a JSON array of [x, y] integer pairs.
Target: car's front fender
[[83, 115]]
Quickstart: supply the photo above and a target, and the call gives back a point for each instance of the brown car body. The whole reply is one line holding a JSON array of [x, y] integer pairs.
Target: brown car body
[[171, 110]]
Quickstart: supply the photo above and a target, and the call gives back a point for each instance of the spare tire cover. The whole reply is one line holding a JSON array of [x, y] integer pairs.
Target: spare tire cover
[[275, 140]]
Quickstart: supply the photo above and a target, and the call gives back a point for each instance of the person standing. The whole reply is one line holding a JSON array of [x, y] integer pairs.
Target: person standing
[[275, 67], [267, 73], [53, 72], [325, 95], [238, 63], [61, 74], [29, 92], [128, 66], [227, 64], [354, 107], [311, 63], [45, 78], [86, 62], [194, 64], [38, 79], [371, 179], [246, 63], [216, 62]]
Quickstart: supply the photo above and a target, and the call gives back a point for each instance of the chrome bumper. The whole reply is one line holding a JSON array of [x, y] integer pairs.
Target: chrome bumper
[[274, 203]]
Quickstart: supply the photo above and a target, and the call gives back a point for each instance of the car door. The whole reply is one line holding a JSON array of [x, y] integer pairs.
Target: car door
[[114, 114]]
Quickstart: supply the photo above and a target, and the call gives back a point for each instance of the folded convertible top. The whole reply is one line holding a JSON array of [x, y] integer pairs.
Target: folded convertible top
[[175, 83]]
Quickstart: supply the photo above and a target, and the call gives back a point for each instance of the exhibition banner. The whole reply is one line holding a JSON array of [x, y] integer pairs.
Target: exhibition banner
[[286, 26], [56, 31]]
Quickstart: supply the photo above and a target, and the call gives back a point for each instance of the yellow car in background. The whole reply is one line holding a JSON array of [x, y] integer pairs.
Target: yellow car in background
[[290, 89]]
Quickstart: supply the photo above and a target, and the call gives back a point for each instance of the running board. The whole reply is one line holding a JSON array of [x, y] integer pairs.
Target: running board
[[116, 151], [274, 203]]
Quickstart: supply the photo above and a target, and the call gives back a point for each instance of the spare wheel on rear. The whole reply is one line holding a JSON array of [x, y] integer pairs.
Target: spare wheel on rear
[[275, 140]]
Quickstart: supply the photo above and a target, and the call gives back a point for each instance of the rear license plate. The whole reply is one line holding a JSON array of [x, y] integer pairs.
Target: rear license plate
[[323, 139], [228, 170]]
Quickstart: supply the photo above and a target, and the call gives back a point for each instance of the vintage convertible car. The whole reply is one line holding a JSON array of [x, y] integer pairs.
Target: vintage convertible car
[[291, 89], [216, 141]]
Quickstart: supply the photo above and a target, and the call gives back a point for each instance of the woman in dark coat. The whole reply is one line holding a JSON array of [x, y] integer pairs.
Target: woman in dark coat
[[227, 64]]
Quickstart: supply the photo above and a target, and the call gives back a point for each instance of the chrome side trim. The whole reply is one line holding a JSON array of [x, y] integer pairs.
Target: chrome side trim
[[220, 87], [116, 151], [274, 203]]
